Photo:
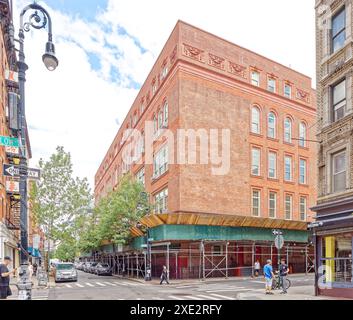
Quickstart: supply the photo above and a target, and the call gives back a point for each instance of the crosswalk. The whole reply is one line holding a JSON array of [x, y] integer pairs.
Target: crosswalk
[[97, 284]]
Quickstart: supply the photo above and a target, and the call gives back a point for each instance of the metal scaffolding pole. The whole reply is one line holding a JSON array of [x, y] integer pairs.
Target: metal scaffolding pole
[[203, 261], [253, 258], [137, 266], [227, 260]]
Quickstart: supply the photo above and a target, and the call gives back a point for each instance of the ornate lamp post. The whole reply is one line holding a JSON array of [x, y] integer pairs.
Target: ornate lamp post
[[39, 19]]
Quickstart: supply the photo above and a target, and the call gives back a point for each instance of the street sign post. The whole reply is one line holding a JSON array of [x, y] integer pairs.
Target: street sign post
[[17, 172], [9, 142], [279, 242]]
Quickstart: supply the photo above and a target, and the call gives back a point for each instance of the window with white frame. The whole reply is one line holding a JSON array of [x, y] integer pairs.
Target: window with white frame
[[339, 100], [272, 165], [288, 207], [271, 84], [339, 172], [256, 201], [155, 123], [165, 71], [166, 114], [302, 135], [160, 162], [272, 123], [303, 208], [140, 176], [256, 160], [161, 202], [160, 119], [287, 90], [288, 168], [255, 78], [272, 204], [302, 171], [288, 130], [338, 30], [255, 120]]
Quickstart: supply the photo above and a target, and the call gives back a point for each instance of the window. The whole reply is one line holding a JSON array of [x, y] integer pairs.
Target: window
[[255, 122], [155, 123], [339, 100], [140, 176], [217, 250], [255, 78], [256, 199], [338, 30], [303, 208], [287, 91], [272, 122], [271, 85], [154, 88], [302, 135], [160, 119], [160, 162], [302, 171], [272, 204], [142, 109], [166, 114], [288, 168], [272, 165], [288, 130], [165, 72], [339, 172], [256, 158], [161, 202], [288, 207]]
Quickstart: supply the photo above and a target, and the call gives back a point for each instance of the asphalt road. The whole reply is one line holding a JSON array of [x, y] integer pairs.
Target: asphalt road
[[92, 287]]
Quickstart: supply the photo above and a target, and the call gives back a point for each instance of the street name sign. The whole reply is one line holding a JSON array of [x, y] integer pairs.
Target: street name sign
[[15, 171], [9, 142]]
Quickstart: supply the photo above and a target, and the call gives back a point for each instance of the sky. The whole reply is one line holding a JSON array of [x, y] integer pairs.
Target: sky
[[106, 49]]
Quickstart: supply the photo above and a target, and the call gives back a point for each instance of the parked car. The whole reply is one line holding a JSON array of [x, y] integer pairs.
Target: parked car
[[103, 269], [86, 266], [92, 267], [79, 266], [65, 272]]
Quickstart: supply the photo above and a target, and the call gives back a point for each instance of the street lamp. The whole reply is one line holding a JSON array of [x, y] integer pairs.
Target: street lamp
[[39, 19]]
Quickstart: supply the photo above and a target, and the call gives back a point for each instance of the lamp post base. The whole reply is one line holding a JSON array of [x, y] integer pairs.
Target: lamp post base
[[25, 284]]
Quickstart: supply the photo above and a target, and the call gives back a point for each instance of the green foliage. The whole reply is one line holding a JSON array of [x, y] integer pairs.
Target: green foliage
[[114, 215], [60, 202]]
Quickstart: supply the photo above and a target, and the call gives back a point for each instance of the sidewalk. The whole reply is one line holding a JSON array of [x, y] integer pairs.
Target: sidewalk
[[294, 293]]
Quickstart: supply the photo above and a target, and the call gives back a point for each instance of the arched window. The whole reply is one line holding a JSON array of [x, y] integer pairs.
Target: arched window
[[255, 120], [302, 134], [288, 130], [272, 122]]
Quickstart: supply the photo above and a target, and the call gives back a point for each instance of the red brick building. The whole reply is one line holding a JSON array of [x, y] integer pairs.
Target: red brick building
[[255, 121]]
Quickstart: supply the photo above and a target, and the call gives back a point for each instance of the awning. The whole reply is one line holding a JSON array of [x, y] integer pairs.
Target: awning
[[35, 253]]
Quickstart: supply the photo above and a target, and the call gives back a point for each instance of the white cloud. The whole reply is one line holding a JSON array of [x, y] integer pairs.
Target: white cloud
[[77, 106]]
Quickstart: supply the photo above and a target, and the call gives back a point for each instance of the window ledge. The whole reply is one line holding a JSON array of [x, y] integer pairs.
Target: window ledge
[[256, 177], [273, 179], [258, 135], [155, 179], [305, 185], [289, 143], [273, 139], [289, 182]]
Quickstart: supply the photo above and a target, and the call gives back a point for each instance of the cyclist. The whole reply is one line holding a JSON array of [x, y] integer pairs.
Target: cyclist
[[283, 272], [269, 275]]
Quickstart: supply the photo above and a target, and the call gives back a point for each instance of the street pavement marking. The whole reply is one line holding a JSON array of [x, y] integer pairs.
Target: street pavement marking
[[131, 284], [110, 284], [68, 286], [222, 297], [193, 298], [227, 290], [175, 298], [89, 284], [120, 284], [100, 284], [79, 285], [208, 297]]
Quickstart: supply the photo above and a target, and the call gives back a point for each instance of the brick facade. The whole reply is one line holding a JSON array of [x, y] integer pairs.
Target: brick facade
[[208, 86]]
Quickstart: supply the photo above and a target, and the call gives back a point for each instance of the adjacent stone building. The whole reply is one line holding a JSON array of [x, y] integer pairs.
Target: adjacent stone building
[[334, 224], [224, 144]]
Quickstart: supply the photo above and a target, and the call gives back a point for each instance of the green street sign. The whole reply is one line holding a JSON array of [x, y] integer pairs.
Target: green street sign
[[9, 142]]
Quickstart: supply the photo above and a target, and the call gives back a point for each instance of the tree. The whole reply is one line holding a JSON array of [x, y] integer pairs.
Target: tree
[[116, 214], [59, 201]]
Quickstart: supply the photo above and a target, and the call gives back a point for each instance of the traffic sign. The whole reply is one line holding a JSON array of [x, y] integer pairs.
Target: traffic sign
[[12, 150], [16, 171], [279, 242], [12, 187], [9, 142]]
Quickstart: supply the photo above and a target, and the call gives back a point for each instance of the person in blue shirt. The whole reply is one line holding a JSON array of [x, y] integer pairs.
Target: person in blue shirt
[[269, 275]]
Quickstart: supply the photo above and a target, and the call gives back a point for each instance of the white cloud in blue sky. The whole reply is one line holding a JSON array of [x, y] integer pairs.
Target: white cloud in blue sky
[[106, 49]]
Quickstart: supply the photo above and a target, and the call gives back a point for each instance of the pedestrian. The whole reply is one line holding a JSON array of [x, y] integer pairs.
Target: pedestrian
[[269, 276], [165, 275], [257, 268], [5, 290], [283, 273], [30, 271], [35, 268]]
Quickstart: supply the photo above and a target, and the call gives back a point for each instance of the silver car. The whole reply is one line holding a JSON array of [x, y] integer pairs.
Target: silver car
[[65, 272]]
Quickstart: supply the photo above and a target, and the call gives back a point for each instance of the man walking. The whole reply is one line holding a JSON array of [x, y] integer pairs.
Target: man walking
[[257, 268], [165, 276], [5, 290], [283, 272], [269, 275]]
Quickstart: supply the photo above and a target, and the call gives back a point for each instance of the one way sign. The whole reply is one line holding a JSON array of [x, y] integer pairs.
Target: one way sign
[[16, 171]]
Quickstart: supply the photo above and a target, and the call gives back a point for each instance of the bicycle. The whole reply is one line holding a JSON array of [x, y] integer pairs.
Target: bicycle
[[276, 284]]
